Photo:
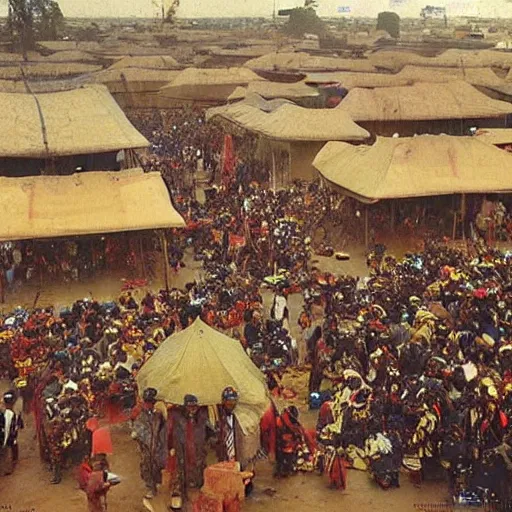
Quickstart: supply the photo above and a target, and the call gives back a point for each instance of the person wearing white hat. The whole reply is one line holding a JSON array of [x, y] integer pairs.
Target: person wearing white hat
[[10, 423]]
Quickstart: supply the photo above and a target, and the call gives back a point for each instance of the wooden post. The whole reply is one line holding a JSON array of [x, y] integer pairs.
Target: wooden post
[[289, 163], [273, 170], [163, 240], [454, 231], [141, 250], [463, 215], [2, 287], [366, 240]]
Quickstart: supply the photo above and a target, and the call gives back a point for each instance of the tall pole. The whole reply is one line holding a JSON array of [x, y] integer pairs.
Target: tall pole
[[163, 239], [366, 240]]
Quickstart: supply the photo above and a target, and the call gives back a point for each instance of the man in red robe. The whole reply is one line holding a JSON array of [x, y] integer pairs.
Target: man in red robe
[[96, 489], [189, 430]]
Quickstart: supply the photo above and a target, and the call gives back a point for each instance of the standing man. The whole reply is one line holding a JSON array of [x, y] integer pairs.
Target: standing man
[[279, 310], [229, 442], [10, 423], [150, 432], [188, 433]]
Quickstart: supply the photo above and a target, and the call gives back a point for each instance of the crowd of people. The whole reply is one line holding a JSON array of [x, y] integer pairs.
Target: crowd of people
[[409, 369], [182, 143]]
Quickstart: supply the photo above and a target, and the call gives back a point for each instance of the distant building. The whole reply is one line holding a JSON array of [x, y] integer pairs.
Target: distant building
[[431, 12]]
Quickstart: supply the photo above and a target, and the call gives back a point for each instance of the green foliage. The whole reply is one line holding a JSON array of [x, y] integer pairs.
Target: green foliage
[[29, 20], [170, 16], [50, 19], [390, 22], [304, 20], [89, 33]]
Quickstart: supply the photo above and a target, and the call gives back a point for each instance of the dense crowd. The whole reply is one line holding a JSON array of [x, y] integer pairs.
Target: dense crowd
[[182, 143], [410, 368]]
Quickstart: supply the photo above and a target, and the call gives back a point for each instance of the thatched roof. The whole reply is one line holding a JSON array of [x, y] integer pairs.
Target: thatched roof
[[426, 165], [46, 69], [306, 62], [134, 79], [70, 56], [249, 53], [77, 122], [453, 58], [350, 80], [208, 84], [272, 90], [495, 136], [294, 123], [83, 204], [62, 46], [408, 76], [18, 57], [252, 100], [147, 62], [435, 101], [44, 86]]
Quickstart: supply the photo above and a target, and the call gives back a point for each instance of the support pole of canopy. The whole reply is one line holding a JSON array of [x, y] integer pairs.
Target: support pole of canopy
[[141, 250], [392, 217], [454, 230], [289, 163], [366, 241], [463, 215], [163, 240], [273, 170]]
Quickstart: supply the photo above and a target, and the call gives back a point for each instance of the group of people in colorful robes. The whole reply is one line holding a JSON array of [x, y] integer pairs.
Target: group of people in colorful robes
[[177, 440]]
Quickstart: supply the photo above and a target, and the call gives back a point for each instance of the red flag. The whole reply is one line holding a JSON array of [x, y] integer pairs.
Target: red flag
[[228, 161], [236, 241]]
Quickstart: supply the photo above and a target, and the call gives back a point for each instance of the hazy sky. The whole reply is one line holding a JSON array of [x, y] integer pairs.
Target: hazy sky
[[210, 8]]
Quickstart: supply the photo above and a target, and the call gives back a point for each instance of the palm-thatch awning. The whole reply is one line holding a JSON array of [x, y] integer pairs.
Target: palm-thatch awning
[[83, 204], [422, 102], [78, 122], [427, 165]]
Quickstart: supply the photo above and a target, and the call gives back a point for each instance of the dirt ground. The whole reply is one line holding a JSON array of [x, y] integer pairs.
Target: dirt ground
[[29, 488]]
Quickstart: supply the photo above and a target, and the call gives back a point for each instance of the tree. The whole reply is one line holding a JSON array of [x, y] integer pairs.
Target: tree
[[390, 22], [168, 13], [304, 20], [30, 19], [21, 22], [170, 16], [50, 19]]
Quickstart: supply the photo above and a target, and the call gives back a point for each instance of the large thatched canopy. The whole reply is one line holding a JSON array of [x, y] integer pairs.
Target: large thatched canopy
[[427, 165], [147, 62], [305, 62], [84, 203], [208, 84], [293, 123], [274, 90], [422, 102], [78, 122]]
